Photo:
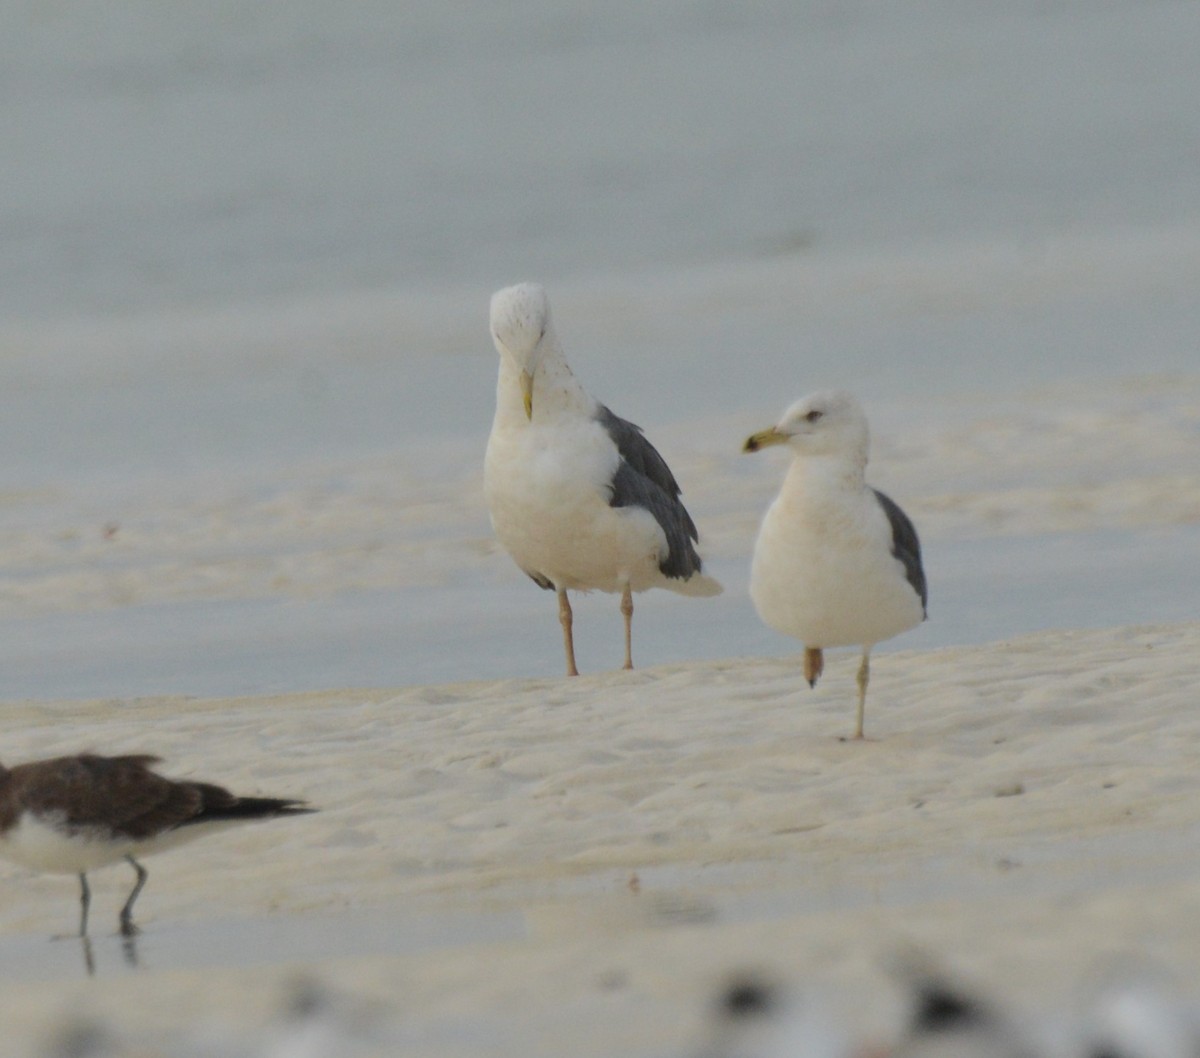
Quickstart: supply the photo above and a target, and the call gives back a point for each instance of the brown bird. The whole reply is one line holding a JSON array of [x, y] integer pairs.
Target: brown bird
[[70, 815]]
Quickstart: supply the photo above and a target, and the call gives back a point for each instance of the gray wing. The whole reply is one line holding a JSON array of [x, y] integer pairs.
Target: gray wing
[[643, 479], [905, 545]]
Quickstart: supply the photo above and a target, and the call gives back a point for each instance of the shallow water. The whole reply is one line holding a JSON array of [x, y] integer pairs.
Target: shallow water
[[270, 940], [668, 897], [214, 155], [993, 589], [256, 248]]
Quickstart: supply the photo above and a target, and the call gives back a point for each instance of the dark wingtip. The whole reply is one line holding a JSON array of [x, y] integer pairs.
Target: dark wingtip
[[747, 997], [253, 808], [939, 1007]]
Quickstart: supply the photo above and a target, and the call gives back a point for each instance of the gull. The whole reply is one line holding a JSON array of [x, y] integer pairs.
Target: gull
[[577, 496], [70, 815], [837, 563]]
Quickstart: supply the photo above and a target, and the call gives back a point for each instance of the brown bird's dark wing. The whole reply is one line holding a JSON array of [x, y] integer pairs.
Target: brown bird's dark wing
[[118, 794], [218, 804]]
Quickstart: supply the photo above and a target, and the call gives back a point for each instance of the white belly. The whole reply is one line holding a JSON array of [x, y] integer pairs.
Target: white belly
[[549, 508], [43, 846], [831, 583]]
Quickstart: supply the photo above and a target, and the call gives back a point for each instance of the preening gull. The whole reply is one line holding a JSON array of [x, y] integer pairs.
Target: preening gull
[[577, 495], [837, 563]]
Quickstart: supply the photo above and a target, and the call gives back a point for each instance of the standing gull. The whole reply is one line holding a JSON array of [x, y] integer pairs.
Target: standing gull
[[578, 497], [70, 815], [837, 563]]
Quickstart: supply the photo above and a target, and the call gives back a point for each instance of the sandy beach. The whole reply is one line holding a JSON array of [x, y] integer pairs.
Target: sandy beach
[[534, 865], [526, 865], [1024, 813]]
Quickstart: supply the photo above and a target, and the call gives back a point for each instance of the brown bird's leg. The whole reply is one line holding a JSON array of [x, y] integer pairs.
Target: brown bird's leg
[[814, 665], [864, 674], [89, 957], [565, 619], [128, 929], [85, 901], [627, 612]]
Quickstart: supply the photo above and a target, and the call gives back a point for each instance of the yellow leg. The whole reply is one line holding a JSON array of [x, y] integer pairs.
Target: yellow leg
[[814, 664], [864, 674], [627, 613], [565, 619]]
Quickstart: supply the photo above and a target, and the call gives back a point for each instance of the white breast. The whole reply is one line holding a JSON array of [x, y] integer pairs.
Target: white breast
[[826, 574], [43, 843], [548, 496]]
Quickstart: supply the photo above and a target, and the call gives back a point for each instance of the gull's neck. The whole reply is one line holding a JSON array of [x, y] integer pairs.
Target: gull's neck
[[556, 391], [814, 476]]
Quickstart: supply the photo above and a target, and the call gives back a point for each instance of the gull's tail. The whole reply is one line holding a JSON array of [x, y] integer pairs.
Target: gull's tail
[[698, 585]]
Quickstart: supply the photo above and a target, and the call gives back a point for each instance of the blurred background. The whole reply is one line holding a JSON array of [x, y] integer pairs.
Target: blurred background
[[247, 250]]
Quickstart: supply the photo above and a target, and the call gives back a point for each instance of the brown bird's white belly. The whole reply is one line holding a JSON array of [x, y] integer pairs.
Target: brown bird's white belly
[[46, 843]]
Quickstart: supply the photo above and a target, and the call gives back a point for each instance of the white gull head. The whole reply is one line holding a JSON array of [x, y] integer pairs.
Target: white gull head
[[520, 321], [827, 423]]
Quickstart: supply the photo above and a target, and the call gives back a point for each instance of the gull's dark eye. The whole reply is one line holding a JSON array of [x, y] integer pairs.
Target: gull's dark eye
[[814, 415]]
